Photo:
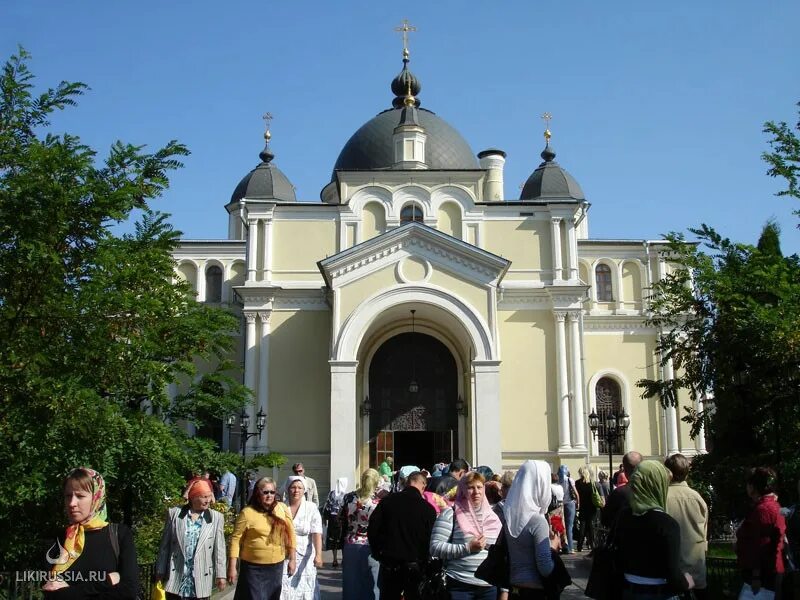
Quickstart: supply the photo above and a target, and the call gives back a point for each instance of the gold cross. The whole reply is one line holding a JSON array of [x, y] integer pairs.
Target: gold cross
[[267, 116], [404, 29], [547, 117]]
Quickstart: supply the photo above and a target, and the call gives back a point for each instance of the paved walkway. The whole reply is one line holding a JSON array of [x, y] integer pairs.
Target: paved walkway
[[330, 580]]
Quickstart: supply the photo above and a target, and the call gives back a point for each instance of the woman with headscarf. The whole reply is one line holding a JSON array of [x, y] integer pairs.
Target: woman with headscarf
[[648, 539], [95, 559], [192, 546], [759, 539], [330, 512], [303, 584], [571, 504], [359, 569], [530, 544], [263, 539], [461, 536]]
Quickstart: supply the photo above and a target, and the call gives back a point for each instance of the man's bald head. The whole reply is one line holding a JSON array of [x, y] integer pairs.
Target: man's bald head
[[630, 461]]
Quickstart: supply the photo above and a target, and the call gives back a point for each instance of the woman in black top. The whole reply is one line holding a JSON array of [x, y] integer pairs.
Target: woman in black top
[[93, 559], [588, 510], [648, 539]]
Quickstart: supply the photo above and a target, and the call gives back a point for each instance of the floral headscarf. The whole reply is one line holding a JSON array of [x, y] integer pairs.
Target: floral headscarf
[[75, 538], [467, 517]]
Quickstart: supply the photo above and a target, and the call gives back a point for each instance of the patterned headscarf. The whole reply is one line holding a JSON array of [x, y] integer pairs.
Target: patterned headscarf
[[649, 484], [75, 538]]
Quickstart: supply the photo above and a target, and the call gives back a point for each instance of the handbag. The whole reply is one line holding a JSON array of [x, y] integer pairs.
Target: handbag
[[432, 585], [495, 568], [606, 579], [558, 579], [597, 499]]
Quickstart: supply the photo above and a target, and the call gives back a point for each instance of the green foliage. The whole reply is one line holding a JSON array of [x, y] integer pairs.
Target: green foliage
[[271, 460], [730, 320], [94, 328], [784, 160]]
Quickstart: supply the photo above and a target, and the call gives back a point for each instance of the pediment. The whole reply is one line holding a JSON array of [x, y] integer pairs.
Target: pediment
[[415, 241]]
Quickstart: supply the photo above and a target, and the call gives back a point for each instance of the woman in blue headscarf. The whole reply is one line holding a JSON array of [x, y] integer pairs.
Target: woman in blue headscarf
[[571, 504]]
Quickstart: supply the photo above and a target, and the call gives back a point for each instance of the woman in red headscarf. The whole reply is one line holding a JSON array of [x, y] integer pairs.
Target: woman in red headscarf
[[461, 536], [193, 546], [94, 559]]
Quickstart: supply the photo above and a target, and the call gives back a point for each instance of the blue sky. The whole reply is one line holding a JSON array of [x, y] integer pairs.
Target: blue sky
[[658, 107]]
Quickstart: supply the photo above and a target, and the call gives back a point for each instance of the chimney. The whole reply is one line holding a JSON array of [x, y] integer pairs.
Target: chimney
[[492, 160]]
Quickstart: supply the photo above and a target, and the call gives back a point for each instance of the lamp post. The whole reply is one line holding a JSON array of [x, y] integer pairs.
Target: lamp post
[[244, 435], [615, 428]]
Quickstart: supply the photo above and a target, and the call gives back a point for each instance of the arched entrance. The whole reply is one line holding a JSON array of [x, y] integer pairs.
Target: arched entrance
[[416, 427]]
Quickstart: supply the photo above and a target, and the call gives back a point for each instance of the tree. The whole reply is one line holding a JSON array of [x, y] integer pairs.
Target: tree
[[93, 326], [784, 160]]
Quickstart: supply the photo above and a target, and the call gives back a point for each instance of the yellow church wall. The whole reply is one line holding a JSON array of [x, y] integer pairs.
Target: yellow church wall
[[373, 221], [298, 245], [528, 415], [354, 293], [525, 242], [631, 357], [449, 221], [299, 382]]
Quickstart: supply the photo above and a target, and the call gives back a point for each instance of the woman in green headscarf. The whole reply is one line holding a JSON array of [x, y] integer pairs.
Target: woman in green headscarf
[[648, 539]]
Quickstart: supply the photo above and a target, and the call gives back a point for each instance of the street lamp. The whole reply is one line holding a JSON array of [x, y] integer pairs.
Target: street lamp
[[614, 429], [244, 435]]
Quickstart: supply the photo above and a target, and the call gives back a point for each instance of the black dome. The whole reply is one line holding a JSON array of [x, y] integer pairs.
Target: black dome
[[371, 147], [265, 182], [551, 182]]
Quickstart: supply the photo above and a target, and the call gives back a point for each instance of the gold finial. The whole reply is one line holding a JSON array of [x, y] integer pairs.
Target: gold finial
[[404, 29], [267, 119], [409, 99], [547, 117]]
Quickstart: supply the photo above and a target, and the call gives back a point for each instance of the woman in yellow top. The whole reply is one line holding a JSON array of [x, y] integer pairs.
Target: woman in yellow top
[[263, 538]]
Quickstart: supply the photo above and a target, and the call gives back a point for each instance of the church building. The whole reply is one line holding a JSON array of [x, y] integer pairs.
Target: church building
[[418, 310]]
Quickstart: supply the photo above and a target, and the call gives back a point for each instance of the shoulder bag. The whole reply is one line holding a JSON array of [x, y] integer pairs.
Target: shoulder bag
[[495, 568], [605, 578]]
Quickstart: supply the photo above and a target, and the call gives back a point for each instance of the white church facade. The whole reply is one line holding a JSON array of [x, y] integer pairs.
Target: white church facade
[[416, 310]]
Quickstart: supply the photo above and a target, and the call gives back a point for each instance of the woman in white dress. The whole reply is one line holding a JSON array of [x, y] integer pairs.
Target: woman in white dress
[[303, 585]]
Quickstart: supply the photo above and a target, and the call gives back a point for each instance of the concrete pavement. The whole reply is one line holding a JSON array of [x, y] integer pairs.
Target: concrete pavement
[[330, 579]]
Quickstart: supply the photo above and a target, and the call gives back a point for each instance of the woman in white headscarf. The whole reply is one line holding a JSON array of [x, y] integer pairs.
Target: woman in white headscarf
[[303, 584], [330, 512], [528, 533]]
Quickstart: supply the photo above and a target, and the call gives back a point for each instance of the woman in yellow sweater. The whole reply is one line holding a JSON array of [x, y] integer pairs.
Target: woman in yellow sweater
[[263, 538]]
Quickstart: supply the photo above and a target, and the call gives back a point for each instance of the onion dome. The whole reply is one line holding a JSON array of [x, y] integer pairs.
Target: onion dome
[[372, 148], [266, 181], [550, 181]]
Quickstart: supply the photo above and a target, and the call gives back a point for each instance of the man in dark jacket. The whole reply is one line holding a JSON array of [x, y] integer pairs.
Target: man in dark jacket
[[442, 485], [399, 535], [621, 496]]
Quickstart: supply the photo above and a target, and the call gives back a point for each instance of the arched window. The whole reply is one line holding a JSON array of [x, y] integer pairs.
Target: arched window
[[602, 277], [608, 397], [214, 284], [411, 212]]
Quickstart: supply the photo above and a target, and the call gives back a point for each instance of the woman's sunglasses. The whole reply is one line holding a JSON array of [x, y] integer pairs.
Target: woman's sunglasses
[[267, 492]]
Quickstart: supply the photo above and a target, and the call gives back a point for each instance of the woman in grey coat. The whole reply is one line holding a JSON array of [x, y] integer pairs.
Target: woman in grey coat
[[192, 553]]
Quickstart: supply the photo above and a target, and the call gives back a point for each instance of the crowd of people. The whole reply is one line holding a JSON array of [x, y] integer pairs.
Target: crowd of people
[[399, 522]]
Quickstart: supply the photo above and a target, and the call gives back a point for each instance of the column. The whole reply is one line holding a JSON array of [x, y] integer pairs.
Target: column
[[262, 399], [250, 361], [555, 230], [700, 440], [486, 403], [201, 281], [572, 250], [671, 414], [578, 429], [344, 405], [252, 248], [562, 383]]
